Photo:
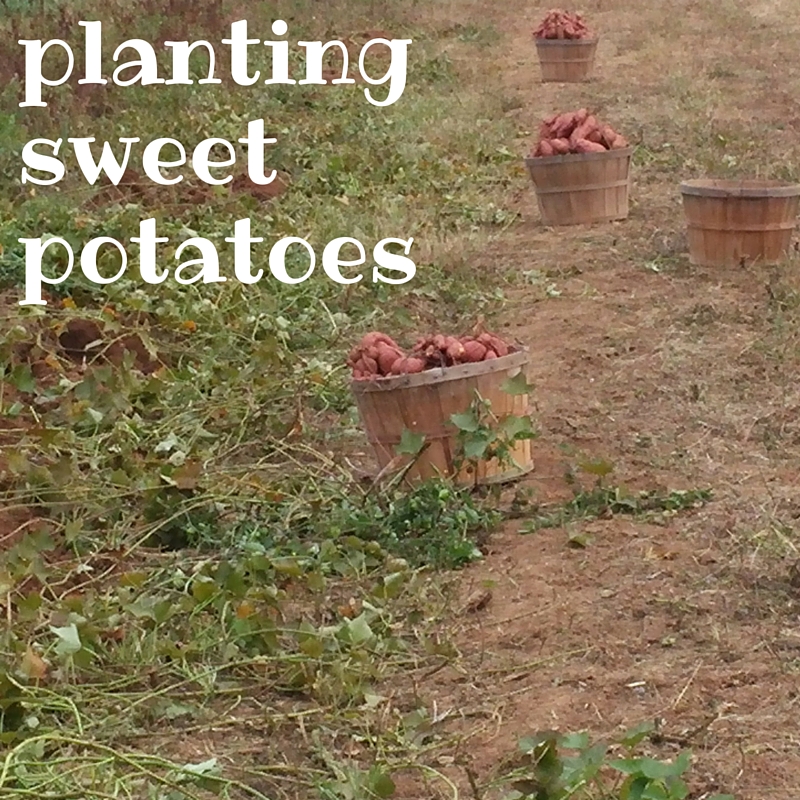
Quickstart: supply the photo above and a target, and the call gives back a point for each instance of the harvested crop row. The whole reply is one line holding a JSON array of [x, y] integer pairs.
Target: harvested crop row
[[576, 132], [379, 356], [559, 24]]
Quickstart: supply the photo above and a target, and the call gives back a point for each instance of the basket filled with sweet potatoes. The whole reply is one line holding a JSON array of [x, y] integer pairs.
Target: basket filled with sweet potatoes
[[580, 169], [418, 389], [566, 47]]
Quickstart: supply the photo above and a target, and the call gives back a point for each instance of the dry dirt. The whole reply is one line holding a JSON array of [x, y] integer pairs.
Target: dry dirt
[[681, 378]]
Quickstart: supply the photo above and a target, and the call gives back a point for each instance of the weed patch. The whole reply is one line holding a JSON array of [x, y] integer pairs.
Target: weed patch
[[608, 501]]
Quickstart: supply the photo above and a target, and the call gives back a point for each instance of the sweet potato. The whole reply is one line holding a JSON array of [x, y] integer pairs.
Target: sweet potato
[[428, 344], [595, 135], [581, 116], [387, 356], [363, 371], [408, 366], [398, 366], [368, 352], [576, 132], [608, 134], [546, 128], [370, 365], [581, 131], [494, 343], [414, 365], [559, 24], [379, 356], [564, 125], [474, 351], [585, 146], [373, 338], [455, 350], [439, 350]]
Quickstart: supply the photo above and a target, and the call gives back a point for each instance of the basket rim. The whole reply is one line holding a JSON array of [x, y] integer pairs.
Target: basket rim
[[746, 188], [519, 358], [577, 157], [566, 42]]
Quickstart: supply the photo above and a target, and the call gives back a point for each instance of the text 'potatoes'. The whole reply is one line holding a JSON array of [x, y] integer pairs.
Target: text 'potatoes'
[[208, 264]]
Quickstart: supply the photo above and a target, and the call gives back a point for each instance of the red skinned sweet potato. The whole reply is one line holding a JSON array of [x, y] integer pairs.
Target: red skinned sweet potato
[[455, 350], [585, 146], [371, 339], [370, 365], [362, 371], [581, 116], [545, 148], [408, 366], [474, 351], [560, 146], [570, 131], [596, 136], [413, 365], [386, 358], [582, 130], [564, 125], [546, 128], [560, 24], [494, 343], [382, 357]]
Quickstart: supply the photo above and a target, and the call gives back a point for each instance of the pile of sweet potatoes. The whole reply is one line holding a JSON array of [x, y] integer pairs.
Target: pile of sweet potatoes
[[559, 24], [576, 132], [379, 356]]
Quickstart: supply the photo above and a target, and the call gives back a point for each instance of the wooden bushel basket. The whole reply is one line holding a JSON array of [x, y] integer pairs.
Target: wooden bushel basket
[[423, 404], [566, 60], [582, 188], [731, 223]]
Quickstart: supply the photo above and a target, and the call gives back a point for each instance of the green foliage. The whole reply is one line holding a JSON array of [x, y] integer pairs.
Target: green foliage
[[435, 524], [604, 501], [591, 771], [483, 436]]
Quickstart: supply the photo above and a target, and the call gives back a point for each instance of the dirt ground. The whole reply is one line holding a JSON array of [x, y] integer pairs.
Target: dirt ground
[[678, 377]]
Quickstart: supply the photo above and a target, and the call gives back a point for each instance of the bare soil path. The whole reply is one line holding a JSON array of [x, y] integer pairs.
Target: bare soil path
[[682, 378]]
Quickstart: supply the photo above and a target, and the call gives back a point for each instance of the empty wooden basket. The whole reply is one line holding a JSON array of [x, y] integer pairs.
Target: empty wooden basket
[[732, 222], [582, 188], [423, 404], [566, 60]]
